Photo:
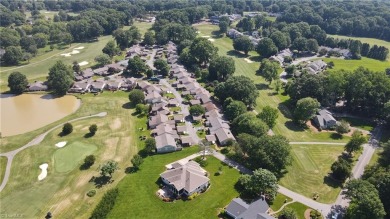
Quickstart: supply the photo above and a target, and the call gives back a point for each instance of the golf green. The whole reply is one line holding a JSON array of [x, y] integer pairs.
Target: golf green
[[68, 157]]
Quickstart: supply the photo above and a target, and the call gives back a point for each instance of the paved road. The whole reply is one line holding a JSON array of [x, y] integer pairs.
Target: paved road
[[11, 154], [314, 142], [184, 111], [151, 60]]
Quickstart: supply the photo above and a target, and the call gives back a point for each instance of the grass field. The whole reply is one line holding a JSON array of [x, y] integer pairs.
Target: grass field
[[310, 166], [137, 191], [284, 124], [64, 193], [3, 164], [299, 208], [371, 41], [372, 64], [67, 158], [142, 26], [39, 65], [279, 201], [359, 123]]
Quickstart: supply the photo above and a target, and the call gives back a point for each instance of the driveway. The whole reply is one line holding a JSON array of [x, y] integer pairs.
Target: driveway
[[151, 60]]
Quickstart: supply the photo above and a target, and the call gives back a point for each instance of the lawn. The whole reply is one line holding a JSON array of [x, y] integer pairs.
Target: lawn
[[39, 65], [137, 191], [308, 173], [3, 164], [67, 158], [279, 201], [359, 123], [268, 97], [169, 95], [142, 26], [351, 65], [64, 193], [371, 41], [299, 208]]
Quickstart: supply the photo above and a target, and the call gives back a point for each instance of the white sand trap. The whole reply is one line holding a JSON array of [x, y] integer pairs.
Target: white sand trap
[[66, 54], [61, 144], [47, 12], [78, 48], [83, 63], [211, 39], [43, 174], [75, 52], [248, 60], [206, 36]]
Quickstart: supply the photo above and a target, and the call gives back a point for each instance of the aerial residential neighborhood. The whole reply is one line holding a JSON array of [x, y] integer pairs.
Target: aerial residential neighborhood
[[195, 109]]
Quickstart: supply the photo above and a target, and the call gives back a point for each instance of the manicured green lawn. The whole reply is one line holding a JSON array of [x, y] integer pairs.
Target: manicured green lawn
[[169, 95], [142, 26], [67, 158], [299, 208], [310, 166], [375, 157], [371, 41], [138, 199], [284, 124], [3, 163], [359, 123], [279, 201], [201, 134], [63, 193], [372, 64]]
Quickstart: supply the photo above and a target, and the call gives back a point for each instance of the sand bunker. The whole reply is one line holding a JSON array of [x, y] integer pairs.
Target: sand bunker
[[43, 174], [211, 40], [78, 48], [83, 63], [248, 60], [61, 144], [206, 36], [71, 53]]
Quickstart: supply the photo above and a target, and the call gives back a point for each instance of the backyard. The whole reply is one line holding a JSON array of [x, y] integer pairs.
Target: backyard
[[351, 65], [143, 185], [66, 185], [309, 170]]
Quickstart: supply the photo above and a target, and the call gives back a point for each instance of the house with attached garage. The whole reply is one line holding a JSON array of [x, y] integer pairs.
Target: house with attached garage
[[325, 120], [165, 143], [185, 179], [239, 209]]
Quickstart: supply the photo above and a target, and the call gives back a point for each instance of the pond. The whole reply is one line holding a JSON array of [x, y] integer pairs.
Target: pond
[[28, 112]]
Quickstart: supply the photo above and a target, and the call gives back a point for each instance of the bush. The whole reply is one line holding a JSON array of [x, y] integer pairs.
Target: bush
[[89, 160], [343, 127], [105, 205], [91, 193], [201, 162], [67, 129], [93, 129], [315, 214], [191, 197]]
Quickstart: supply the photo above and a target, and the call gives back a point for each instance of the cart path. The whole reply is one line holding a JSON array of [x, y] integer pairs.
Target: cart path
[[11, 154]]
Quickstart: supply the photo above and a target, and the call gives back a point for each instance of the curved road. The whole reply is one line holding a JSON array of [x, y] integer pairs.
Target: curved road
[[11, 154]]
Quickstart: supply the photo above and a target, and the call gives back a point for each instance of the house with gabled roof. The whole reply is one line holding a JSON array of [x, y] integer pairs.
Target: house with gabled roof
[[80, 87], [324, 119], [165, 143], [156, 120], [185, 179], [239, 209]]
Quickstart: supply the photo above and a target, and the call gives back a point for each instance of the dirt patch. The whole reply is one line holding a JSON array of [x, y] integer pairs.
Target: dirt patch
[[307, 213], [84, 179], [64, 203], [312, 127], [116, 124], [110, 151]]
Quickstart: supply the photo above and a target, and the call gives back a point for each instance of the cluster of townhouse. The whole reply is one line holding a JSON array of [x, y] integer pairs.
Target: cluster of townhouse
[[254, 36], [232, 18]]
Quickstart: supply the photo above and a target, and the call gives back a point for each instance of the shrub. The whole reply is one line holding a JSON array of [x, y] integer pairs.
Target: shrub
[[93, 129], [314, 214], [343, 127], [89, 160], [191, 197], [105, 205], [67, 129], [201, 162], [91, 193]]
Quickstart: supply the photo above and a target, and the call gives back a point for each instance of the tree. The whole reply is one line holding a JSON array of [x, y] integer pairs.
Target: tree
[[234, 109], [17, 82], [202, 50], [281, 40], [197, 110], [243, 44], [266, 48], [278, 85], [93, 129], [384, 158], [221, 68], [137, 161], [262, 182], [13, 55], [110, 49], [343, 127], [67, 129], [269, 116], [40, 39], [305, 109], [288, 213], [341, 169], [89, 160], [312, 45], [109, 168], [290, 70], [365, 202], [238, 88], [150, 145], [60, 78], [355, 143], [67, 38], [149, 38], [299, 44], [386, 111], [141, 108], [223, 26], [103, 59], [162, 67], [269, 70], [250, 124], [76, 67], [136, 66], [136, 96]]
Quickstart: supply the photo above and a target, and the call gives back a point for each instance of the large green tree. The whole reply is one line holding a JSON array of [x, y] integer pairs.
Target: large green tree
[[109, 168], [341, 169], [162, 67], [266, 48], [149, 38], [238, 88], [234, 109], [250, 124], [136, 96], [281, 40], [13, 55], [60, 78], [355, 143], [197, 110], [305, 109], [136, 66], [261, 182], [243, 44], [221, 68], [269, 116], [202, 50], [17, 82], [269, 70], [103, 59], [111, 49]]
